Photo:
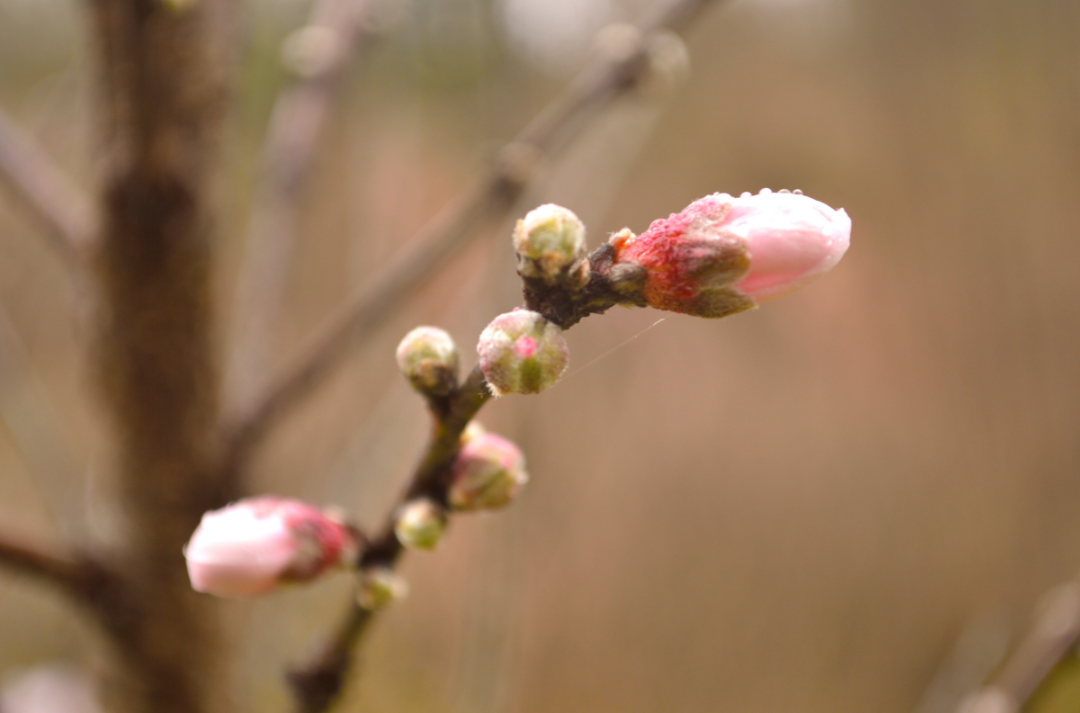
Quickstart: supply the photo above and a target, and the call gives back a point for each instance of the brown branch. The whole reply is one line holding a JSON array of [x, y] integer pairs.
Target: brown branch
[[316, 685], [1055, 632], [21, 555], [335, 32], [63, 211], [488, 200]]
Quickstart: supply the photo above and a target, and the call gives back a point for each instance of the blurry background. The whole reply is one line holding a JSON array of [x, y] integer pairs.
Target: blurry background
[[814, 506]]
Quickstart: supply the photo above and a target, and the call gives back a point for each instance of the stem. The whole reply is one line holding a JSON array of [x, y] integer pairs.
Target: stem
[[21, 555], [317, 685], [298, 123]]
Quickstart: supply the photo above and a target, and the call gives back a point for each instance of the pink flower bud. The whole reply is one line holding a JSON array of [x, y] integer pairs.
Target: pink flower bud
[[488, 473], [256, 545], [722, 255], [522, 353]]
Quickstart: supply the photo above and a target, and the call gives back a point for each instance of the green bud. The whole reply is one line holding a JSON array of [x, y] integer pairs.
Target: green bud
[[420, 524], [522, 353], [429, 360], [550, 245], [379, 586]]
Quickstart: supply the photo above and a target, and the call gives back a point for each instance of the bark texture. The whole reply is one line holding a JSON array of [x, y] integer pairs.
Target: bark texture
[[162, 90]]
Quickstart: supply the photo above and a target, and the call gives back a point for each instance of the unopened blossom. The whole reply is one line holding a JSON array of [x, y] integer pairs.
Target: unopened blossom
[[429, 360], [722, 255], [522, 353], [379, 586], [488, 472], [259, 544], [420, 524], [550, 245]]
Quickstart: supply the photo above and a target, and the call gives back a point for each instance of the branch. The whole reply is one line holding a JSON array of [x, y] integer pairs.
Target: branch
[[488, 200], [38, 431], [21, 555], [324, 48], [317, 684], [28, 173], [1055, 633]]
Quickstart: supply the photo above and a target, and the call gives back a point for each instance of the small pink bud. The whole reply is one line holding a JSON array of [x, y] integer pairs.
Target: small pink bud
[[256, 545], [522, 353], [722, 255], [488, 473]]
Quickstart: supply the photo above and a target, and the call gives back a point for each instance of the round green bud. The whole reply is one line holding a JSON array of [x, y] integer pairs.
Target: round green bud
[[420, 524], [379, 586], [429, 360], [522, 353], [550, 245]]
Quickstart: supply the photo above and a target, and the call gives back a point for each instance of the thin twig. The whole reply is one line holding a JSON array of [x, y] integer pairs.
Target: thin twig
[[63, 211], [613, 74], [1056, 632], [21, 555], [319, 54], [317, 684]]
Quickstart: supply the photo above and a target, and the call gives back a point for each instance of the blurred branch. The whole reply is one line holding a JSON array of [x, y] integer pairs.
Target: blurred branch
[[977, 653], [319, 54], [162, 77], [1055, 632], [20, 555], [33, 420], [615, 72], [317, 684], [28, 173]]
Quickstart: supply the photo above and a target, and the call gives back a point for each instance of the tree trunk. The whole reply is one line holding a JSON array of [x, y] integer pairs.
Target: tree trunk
[[162, 83]]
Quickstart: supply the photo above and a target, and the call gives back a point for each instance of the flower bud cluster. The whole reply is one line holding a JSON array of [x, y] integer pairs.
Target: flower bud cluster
[[722, 255], [429, 360], [521, 352], [257, 545]]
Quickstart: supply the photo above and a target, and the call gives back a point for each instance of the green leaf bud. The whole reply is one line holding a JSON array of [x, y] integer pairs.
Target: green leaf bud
[[429, 360]]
